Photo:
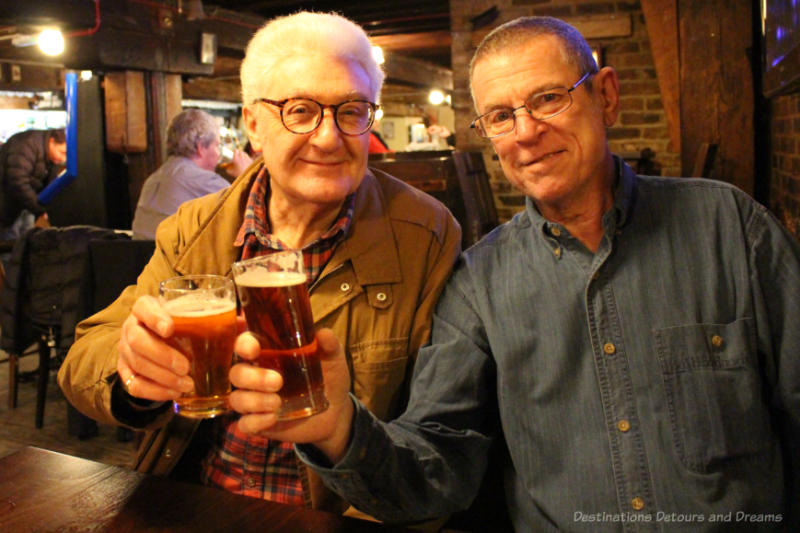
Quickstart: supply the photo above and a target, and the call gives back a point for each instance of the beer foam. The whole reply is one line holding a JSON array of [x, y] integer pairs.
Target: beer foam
[[197, 305], [262, 278]]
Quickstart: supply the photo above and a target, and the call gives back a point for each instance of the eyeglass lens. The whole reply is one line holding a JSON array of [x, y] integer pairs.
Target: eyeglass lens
[[303, 116], [541, 106]]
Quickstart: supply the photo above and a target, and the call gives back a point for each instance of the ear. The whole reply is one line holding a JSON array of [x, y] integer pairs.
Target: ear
[[606, 88], [249, 119]]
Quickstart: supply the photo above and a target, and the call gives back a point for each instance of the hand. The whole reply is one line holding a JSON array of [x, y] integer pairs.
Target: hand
[[257, 400], [149, 367], [239, 163], [42, 221]]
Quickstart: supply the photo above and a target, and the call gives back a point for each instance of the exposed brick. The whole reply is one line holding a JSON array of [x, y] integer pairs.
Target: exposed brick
[[512, 200], [553, 11], [628, 6], [623, 133], [640, 118], [631, 104], [654, 104], [655, 133], [622, 47], [594, 9]]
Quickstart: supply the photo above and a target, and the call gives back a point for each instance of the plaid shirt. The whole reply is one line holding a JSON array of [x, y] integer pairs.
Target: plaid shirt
[[246, 464]]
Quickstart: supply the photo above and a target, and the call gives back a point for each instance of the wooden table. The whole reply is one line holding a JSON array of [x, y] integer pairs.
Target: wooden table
[[44, 491]]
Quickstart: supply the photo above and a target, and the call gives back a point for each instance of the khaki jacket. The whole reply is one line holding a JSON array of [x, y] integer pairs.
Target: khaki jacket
[[377, 294]]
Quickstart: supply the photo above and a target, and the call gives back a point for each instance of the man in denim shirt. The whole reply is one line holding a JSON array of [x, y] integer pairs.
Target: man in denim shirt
[[634, 339]]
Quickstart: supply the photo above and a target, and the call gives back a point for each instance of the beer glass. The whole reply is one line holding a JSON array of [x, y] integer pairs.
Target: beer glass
[[203, 309], [274, 298]]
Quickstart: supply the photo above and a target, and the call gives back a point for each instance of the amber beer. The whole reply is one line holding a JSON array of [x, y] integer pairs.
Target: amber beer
[[278, 312], [203, 310]]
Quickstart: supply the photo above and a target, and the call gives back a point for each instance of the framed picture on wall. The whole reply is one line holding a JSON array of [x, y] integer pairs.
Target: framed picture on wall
[[780, 27]]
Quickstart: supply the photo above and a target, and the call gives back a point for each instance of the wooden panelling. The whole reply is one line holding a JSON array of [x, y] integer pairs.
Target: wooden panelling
[[125, 112]]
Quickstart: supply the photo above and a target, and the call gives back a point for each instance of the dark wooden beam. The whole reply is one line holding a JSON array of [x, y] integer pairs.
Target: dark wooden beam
[[661, 18], [417, 73]]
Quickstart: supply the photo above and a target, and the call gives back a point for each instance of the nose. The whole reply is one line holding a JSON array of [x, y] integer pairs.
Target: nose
[[327, 136], [527, 127]]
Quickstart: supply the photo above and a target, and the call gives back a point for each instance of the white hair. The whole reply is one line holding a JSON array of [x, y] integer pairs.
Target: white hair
[[305, 33], [188, 129]]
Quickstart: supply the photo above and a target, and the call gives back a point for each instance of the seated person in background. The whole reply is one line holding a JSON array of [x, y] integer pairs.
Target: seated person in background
[[29, 160], [377, 254], [633, 338], [188, 172]]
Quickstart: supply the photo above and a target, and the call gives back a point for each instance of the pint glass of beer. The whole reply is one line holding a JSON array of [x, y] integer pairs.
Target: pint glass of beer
[[274, 298], [203, 308]]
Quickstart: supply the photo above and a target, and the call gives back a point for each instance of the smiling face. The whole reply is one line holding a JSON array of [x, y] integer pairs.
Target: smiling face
[[317, 169], [564, 160]]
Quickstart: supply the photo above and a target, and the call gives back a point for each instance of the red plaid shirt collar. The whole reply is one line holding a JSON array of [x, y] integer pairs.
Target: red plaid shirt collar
[[255, 238]]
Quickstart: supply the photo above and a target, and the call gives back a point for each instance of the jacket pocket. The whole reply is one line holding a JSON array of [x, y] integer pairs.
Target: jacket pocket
[[713, 392], [379, 372]]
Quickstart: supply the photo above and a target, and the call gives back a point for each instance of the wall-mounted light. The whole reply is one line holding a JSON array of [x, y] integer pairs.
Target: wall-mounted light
[[377, 55], [436, 97], [50, 41], [86, 75]]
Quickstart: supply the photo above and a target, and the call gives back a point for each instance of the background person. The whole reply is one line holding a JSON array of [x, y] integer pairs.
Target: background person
[[377, 253], [633, 338], [188, 172], [29, 160]]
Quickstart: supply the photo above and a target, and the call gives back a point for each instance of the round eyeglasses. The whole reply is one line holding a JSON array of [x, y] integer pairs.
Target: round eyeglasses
[[304, 115], [540, 106]]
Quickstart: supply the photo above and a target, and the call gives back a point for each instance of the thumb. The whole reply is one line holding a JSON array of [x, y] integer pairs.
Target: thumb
[[328, 343]]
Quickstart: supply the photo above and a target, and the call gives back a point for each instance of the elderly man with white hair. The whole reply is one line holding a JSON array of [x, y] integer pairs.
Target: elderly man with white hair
[[377, 253], [188, 172]]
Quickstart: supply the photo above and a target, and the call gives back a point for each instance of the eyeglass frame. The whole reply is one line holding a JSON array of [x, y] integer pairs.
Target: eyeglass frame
[[335, 107], [514, 110]]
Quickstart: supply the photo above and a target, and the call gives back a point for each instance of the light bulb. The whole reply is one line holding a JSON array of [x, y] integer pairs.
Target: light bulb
[[436, 97], [51, 42]]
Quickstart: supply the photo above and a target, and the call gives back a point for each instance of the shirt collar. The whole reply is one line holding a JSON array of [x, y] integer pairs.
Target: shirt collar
[[256, 219], [616, 217]]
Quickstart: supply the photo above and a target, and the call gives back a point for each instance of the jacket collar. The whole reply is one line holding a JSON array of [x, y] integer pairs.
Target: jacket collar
[[369, 246]]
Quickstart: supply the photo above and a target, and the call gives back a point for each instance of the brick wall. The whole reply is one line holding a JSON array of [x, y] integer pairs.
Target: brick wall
[[642, 122], [784, 191]]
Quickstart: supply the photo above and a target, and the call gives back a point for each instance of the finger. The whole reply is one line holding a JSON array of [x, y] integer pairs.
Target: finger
[[141, 387], [256, 424], [246, 402], [246, 346], [248, 377], [137, 342], [149, 311]]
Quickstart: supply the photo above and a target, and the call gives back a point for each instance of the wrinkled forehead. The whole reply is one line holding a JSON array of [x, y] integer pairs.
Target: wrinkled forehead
[[539, 59]]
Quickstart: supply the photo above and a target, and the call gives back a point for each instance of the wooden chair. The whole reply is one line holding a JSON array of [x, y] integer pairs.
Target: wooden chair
[[704, 161]]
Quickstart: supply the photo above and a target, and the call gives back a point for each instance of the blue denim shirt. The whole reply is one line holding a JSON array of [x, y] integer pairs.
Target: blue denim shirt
[[652, 385]]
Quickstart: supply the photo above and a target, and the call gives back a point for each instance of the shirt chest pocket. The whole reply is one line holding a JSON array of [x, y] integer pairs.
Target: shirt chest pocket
[[379, 372], [713, 392]]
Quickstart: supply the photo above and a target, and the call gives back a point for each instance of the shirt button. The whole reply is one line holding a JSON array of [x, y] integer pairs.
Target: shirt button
[[250, 482], [381, 296], [716, 341], [637, 503], [555, 231], [557, 251], [344, 287], [623, 425], [609, 348]]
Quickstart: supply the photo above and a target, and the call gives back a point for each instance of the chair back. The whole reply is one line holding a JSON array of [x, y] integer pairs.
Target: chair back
[[115, 264]]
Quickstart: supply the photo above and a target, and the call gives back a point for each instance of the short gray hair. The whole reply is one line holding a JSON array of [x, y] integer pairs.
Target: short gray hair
[[517, 32], [188, 129], [300, 34]]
